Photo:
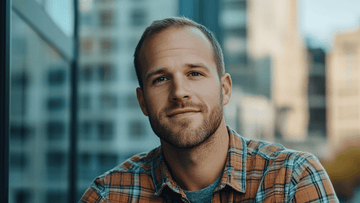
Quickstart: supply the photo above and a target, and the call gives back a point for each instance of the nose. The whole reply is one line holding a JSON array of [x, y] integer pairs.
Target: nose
[[179, 90]]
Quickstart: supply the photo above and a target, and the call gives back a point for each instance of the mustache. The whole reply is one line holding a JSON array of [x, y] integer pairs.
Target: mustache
[[183, 105]]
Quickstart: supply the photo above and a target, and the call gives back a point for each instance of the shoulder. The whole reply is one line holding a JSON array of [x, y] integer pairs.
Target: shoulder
[[131, 175], [274, 158], [299, 173], [276, 152]]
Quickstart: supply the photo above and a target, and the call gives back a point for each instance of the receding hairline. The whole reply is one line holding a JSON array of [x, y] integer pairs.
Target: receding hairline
[[151, 35]]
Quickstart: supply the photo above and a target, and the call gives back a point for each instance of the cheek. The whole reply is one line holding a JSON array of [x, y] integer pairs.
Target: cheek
[[155, 102], [210, 92]]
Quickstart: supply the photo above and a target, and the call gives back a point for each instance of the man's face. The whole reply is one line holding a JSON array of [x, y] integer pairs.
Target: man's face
[[182, 93]]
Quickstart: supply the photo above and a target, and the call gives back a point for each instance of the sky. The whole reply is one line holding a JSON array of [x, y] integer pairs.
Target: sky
[[320, 20], [61, 11]]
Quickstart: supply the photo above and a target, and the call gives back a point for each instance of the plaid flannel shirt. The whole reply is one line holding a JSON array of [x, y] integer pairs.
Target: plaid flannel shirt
[[255, 171]]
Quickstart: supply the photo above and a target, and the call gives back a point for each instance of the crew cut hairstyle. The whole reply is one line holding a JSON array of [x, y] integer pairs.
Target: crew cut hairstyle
[[178, 22]]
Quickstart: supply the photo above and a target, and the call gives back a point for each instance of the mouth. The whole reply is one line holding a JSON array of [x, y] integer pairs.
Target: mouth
[[182, 112]]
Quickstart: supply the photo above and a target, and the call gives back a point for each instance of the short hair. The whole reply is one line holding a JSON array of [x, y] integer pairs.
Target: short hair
[[178, 22]]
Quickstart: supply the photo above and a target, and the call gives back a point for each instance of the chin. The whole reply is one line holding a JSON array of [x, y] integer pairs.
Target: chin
[[186, 138]]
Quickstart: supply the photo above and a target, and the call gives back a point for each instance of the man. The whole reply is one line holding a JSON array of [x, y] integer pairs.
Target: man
[[183, 88]]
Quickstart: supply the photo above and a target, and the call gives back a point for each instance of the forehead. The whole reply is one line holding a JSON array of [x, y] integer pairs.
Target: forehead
[[175, 41]]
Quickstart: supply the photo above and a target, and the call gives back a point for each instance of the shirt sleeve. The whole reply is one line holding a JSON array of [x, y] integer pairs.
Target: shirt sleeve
[[310, 182], [94, 194]]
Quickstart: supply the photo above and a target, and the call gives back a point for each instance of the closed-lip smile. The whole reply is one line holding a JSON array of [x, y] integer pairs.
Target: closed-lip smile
[[181, 111]]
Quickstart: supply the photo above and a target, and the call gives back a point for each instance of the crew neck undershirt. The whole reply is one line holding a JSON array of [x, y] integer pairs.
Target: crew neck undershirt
[[204, 195]]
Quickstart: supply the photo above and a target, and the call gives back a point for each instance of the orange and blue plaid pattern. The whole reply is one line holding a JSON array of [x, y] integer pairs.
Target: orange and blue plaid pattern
[[255, 171]]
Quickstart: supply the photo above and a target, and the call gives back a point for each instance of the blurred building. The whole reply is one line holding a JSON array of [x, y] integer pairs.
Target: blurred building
[[316, 93], [234, 34], [252, 116], [277, 56], [112, 126], [266, 58], [39, 125], [343, 115], [343, 88]]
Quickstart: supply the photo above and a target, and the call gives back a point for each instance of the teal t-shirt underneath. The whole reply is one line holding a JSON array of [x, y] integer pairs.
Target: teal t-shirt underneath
[[204, 195]]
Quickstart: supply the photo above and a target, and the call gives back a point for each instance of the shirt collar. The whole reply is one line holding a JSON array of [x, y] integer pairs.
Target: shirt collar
[[234, 174], [161, 175]]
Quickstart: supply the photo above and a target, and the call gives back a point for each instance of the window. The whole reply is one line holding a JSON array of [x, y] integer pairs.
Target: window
[[20, 132], [55, 130], [107, 18], [85, 102], [55, 159], [138, 17], [86, 130], [56, 165], [106, 72], [19, 79], [108, 46], [317, 121], [18, 161], [86, 73], [108, 101], [317, 55], [105, 130], [87, 46], [56, 77], [23, 196], [317, 85], [137, 129], [55, 104], [88, 167]]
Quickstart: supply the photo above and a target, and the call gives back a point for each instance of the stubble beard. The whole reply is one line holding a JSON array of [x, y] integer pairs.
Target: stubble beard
[[188, 137]]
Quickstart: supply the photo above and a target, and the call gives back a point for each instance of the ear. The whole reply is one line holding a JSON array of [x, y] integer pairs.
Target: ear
[[226, 88], [140, 98]]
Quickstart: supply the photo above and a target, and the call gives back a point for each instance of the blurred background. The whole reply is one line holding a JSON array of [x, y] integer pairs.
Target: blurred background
[[295, 67]]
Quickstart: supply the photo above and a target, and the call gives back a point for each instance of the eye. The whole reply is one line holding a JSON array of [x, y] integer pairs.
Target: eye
[[159, 80], [195, 74]]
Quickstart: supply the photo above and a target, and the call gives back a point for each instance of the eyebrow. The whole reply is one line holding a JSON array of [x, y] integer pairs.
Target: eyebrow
[[198, 65], [155, 72]]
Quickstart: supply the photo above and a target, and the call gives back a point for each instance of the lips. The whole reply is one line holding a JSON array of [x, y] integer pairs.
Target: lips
[[181, 111]]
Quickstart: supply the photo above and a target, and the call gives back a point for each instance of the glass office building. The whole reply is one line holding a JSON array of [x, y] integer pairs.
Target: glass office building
[[111, 126]]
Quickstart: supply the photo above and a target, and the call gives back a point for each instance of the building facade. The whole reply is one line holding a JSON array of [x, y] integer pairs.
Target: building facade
[[277, 53], [111, 125], [343, 88]]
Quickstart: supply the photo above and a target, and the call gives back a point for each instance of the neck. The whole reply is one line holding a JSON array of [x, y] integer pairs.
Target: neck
[[198, 167]]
